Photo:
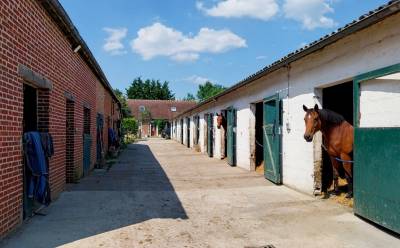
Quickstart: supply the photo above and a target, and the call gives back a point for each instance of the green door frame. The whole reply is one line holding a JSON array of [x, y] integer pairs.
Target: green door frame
[[376, 202], [231, 135], [272, 141]]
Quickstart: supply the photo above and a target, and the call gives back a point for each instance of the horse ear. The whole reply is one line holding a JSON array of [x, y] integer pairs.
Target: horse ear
[[305, 108], [316, 108]]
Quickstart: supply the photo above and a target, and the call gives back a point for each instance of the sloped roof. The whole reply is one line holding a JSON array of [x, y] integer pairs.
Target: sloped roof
[[159, 109], [364, 21], [61, 18]]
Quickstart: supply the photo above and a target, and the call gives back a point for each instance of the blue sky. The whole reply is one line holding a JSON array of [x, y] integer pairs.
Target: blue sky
[[187, 42]]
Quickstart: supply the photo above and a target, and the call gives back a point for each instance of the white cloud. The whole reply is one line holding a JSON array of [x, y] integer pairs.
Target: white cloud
[[261, 57], [196, 79], [183, 57], [113, 43], [311, 13], [258, 9], [159, 40]]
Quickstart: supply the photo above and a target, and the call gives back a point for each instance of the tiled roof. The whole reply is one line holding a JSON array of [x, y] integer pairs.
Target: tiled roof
[[366, 20], [159, 109]]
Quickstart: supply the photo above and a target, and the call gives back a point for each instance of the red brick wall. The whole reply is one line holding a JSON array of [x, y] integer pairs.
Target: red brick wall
[[107, 118], [28, 36]]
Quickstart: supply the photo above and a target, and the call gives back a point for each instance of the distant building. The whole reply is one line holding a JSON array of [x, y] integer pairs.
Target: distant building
[[148, 111]]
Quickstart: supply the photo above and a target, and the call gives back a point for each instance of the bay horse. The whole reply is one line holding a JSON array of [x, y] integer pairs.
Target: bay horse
[[338, 141], [221, 122]]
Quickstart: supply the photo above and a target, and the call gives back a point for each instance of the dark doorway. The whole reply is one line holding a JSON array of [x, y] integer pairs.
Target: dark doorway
[[30, 119], [99, 139], [197, 129], [188, 132], [259, 138], [69, 145], [181, 131], [87, 140], [338, 98], [30, 123], [210, 135]]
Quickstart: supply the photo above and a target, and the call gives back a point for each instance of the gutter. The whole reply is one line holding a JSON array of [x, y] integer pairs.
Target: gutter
[[61, 18], [364, 21]]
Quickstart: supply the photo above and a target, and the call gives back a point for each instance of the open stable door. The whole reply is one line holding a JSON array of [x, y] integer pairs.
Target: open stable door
[[376, 171], [272, 139], [231, 136], [210, 134]]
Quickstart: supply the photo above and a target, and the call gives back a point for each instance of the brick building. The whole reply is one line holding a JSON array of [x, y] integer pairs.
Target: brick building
[[146, 111], [49, 82]]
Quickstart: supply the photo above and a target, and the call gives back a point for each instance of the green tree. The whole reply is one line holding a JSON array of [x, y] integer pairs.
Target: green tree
[[126, 112], [160, 124], [130, 125], [208, 90], [189, 97], [149, 89]]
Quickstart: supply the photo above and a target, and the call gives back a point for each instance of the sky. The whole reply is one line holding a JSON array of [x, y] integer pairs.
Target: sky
[[188, 42]]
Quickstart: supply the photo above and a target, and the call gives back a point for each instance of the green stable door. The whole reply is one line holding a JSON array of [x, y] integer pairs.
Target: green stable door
[[231, 136], [87, 144], [376, 171], [272, 139]]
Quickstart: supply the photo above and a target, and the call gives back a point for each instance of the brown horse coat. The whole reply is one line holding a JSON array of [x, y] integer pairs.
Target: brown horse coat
[[338, 139]]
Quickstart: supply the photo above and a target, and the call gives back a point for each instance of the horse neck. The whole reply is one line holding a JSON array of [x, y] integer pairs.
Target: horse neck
[[327, 127]]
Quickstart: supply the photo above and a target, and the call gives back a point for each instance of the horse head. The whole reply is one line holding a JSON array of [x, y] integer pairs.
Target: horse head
[[312, 121], [220, 120]]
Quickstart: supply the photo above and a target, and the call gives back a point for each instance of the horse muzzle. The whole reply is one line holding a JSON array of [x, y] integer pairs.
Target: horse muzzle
[[308, 137]]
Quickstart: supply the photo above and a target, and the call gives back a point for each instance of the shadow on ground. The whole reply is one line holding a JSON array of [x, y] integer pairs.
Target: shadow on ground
[[134, 190]]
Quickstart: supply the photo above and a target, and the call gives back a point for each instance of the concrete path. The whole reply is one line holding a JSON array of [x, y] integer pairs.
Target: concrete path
[[161, 194]]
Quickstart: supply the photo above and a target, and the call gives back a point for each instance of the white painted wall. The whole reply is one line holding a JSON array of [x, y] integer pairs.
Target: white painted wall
[[380, 102], [373, 48]]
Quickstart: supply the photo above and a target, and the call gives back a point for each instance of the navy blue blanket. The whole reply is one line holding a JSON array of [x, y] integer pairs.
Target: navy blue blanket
[[36, 162]]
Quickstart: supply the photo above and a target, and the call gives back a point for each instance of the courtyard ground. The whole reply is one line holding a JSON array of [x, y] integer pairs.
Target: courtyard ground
[[161, 194]]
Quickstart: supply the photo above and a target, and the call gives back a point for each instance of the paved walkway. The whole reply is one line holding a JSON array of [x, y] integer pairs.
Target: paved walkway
[[161, 194]]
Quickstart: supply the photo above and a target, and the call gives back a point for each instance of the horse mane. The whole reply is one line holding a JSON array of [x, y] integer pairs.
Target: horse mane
[[330, 117]]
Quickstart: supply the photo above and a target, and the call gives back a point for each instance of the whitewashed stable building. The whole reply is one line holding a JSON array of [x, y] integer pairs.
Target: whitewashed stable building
[[354, 71]]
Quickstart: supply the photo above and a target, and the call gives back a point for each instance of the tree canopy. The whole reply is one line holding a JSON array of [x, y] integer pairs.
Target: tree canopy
[[208, 90], [126, 112], [130, 125], [189, 97], [149, 89]]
